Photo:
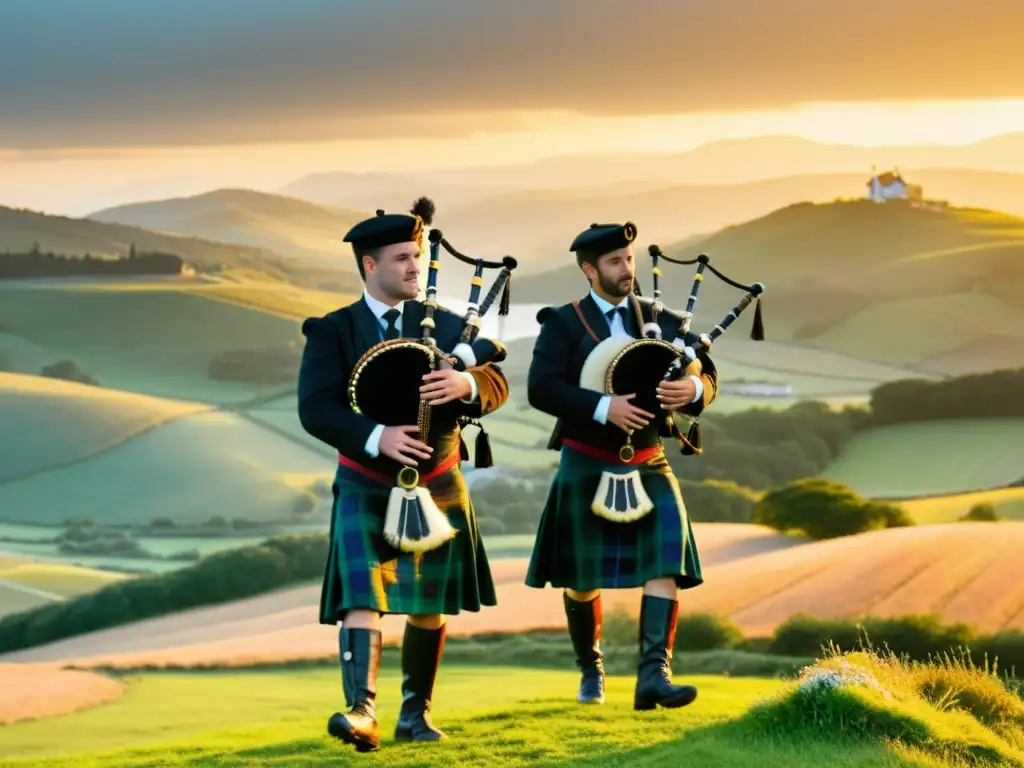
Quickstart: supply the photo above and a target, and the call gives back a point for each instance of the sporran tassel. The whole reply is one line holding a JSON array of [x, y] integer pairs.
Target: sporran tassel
[[463, 450], [413, 522], [757, 329]]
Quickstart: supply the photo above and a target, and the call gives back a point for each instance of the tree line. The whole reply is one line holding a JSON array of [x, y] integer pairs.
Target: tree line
[[36, 263]]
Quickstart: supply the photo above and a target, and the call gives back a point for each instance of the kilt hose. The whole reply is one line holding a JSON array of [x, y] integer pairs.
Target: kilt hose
[[578, 550], [363, 571]]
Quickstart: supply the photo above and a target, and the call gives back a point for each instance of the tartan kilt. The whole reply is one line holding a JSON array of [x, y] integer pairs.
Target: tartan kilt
[[363, 571], [578, 550]]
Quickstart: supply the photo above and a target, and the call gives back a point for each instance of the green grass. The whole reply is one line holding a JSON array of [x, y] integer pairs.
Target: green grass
[[932, 457], [148, 338], [917, 715]]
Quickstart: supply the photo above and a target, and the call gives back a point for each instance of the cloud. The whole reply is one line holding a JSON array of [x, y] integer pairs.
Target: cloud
[[117, 72]]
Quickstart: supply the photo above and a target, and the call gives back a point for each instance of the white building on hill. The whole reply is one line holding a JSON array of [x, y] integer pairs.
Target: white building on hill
[[890, 185]]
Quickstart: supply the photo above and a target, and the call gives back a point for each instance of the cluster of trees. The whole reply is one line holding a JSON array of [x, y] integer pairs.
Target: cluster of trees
[[973, 396], [822, 509], [269, 365], [217, 578], [83, 538], [35, 263]]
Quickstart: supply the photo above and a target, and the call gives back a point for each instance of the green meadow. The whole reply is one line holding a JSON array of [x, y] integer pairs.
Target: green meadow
[[853, 711]]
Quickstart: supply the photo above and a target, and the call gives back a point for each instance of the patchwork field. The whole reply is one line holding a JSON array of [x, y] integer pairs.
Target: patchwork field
[[933, 457]]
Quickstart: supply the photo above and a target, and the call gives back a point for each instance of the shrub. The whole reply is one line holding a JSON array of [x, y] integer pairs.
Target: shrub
[[706, 632], [983, 512], [823, 509]]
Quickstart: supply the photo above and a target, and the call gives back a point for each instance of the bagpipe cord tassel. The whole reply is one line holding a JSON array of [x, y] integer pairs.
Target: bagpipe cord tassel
[[506, 298], [482, 450], [757, 329]]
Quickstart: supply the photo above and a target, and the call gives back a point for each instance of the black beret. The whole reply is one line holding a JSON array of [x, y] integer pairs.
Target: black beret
[[390, 228], [600, 239]]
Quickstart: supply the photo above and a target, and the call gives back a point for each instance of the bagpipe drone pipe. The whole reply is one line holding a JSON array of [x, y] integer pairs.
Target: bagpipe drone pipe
[[385, 386]]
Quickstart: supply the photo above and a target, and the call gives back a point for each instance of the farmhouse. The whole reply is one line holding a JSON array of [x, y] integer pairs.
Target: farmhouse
[[891, 185]]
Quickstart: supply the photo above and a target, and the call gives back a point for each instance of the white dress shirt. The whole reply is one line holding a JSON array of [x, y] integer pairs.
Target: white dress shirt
[[378, 308], [618, 329]]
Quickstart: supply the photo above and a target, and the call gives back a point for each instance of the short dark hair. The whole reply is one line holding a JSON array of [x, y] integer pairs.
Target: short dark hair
[[360, 251]]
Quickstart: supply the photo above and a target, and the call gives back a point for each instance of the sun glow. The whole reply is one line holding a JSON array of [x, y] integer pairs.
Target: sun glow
[[77, 181]]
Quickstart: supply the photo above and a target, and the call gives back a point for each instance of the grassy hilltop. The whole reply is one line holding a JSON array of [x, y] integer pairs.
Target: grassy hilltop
[[930, 289]]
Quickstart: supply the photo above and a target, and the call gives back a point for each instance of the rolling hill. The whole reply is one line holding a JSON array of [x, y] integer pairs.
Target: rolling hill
[[534, 224], [287, 225], [151, 338], [21, 229], [125, 459], [86, 420], [872, 282]]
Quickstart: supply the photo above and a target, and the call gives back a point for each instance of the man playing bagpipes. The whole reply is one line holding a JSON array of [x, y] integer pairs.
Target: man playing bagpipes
[[414, 547], [614, 517]]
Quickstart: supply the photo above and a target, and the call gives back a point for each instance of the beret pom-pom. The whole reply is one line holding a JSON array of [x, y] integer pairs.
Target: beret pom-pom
[[424, 208]]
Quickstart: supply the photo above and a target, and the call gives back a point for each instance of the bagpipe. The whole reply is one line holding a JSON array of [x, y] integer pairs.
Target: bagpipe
[[384, 386], [622, 365]]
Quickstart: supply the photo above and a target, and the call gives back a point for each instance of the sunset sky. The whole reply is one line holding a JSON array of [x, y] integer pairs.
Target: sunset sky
[[106, 101]]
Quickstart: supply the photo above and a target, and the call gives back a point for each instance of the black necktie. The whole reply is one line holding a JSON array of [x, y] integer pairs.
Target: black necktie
[[391, 332]]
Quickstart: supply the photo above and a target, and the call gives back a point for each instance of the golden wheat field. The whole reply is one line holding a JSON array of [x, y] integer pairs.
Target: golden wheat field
[[45, 690]]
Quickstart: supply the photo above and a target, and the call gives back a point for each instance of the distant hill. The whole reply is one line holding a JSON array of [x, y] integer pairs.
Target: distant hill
[[286, 225], [935, 290], [536, 224], [729, 162], [21, 229]]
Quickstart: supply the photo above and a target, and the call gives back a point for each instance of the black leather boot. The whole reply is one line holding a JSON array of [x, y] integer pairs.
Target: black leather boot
[[584, 621], [658, 616], [360, 660], [421, 658]]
